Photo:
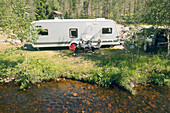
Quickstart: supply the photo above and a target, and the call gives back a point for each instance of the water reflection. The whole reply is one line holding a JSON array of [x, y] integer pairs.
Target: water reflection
[[74, 96]]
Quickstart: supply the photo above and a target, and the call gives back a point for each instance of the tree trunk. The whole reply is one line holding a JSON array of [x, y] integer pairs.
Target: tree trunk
[[168, 45], [134, 9], [129, 8], [92, 7]]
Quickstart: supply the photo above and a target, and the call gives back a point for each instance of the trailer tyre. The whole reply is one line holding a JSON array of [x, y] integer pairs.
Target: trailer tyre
[[72, 47]]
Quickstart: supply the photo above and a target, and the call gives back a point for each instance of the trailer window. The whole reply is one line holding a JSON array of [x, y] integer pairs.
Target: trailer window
[[73, 33], [43, 32], [106, 30]]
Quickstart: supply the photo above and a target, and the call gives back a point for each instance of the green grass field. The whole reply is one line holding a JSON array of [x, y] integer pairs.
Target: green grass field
[[106, 67]]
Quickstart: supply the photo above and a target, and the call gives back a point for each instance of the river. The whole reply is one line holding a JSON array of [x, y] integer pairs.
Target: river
[[78, 97]]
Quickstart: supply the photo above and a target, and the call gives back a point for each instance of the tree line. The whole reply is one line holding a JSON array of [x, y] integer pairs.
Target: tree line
[[146, 11]]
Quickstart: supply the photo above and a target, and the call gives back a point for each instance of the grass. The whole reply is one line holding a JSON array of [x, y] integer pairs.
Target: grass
[[106, 68]]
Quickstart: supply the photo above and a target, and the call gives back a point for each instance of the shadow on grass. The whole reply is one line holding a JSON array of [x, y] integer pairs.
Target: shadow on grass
[[106, 56], [116, 57], [31, 48], [7, 64]]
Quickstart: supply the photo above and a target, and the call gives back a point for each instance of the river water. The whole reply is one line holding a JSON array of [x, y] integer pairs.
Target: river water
[[77, 97]]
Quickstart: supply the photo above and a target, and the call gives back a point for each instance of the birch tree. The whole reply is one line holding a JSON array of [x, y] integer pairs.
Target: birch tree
[[17, 25]]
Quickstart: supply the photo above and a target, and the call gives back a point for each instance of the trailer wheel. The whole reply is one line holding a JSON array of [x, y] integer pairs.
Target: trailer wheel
[[72, 47], [146, 48]]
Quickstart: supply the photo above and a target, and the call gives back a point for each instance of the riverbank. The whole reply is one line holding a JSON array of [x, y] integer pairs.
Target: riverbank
[[106, 67], [75, 96]]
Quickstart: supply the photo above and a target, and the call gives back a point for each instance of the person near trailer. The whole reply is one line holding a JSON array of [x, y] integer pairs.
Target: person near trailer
[[89, 46], [81, 45], [93, 47], [97, 46]]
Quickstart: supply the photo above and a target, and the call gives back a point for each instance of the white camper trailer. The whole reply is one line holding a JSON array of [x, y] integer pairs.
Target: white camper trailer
[[68, 32]]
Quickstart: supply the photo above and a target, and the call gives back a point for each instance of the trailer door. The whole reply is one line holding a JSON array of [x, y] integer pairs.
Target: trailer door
[[96, 32]]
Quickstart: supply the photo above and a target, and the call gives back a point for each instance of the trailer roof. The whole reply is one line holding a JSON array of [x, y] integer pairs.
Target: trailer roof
[[75, 20]]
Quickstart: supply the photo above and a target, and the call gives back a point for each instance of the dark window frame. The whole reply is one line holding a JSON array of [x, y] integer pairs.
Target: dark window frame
[[43, 32], [73, 35], [106, 30]]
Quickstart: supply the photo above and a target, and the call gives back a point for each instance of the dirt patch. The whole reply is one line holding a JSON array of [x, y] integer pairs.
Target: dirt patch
[[2, 40], [118, 47], [2, 37], [3, 44]]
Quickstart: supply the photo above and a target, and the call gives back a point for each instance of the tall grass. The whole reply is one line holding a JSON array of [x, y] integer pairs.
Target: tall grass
[[127, 70], [107, 68]]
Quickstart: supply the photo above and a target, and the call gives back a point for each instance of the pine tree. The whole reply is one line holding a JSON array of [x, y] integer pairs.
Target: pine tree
[[92, 2], [156, 12], [70, 8], [2, 10], [85, 8], [42, 9], [54, 5]]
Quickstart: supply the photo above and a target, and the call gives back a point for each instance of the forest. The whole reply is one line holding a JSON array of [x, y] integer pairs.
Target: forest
[[154, 12]]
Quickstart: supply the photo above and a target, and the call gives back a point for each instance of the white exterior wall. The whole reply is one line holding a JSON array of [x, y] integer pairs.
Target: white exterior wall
[[58, 32]]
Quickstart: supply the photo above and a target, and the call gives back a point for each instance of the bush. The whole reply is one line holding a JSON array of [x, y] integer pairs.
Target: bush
[[105, 76], [35, 70]]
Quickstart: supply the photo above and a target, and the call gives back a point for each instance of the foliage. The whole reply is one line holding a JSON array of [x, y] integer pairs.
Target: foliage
[[156, 13], [153, 12], [135, 38], [42, 9], [18, 29], [17, 25], [127, 72], [36, 70], [143, 69], [106, 76], [2, 10]]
